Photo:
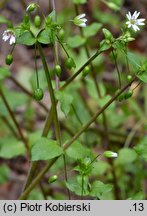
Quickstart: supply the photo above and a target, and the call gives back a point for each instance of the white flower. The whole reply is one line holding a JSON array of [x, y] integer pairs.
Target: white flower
[[9, 35], [80, 20], [110, 154], [133, 21]]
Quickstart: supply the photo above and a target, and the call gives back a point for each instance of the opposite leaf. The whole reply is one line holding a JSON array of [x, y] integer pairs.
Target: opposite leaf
[[65, 100], [26, 38], [45, 149]]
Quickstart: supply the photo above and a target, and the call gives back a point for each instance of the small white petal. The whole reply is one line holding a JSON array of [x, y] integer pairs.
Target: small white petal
[[130, 25], [135, 27], [134, 15], [81, 16], [129, 15], [137, 15], [141, 20], [12, 40], [6, 37], [84, 20], [114, 154], [139, 23], [27, 8], [82, 24]]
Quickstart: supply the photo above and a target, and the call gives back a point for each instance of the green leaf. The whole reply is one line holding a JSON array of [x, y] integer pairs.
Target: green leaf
[[104, 46], [47, 36], [75, 185], [134, 60], [104, 100], [20, 99], [3, 20], [26, 38], [4, 174], [10, 148], [78, 151], [76, 41], [92, 29], [92, 91], [141, 148], [100, 168], [79, 1], [4, 73], [112, 5], [35, 194], [137, 196], [65, 100], [126, 156], [142, 74], [45, 149], [108, 35], [98, 189]]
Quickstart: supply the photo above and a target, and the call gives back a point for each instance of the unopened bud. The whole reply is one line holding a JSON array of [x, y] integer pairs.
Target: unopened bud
[[110, 154]]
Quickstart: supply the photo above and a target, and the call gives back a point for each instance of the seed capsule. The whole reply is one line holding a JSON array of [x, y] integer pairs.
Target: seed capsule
[[38, 94], [58, 70], [9, 59], [53, 179], [69, 63], [37, 21]]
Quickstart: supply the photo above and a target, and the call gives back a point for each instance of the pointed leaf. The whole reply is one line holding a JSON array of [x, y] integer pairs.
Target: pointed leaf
[[45, 149]]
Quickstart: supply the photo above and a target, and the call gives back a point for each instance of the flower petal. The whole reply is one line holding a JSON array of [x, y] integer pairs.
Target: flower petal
[[84, 20], [5, 37], [81, 16], [82, 24], [12, 40], [137, 15], [129, 15], [135, 27]]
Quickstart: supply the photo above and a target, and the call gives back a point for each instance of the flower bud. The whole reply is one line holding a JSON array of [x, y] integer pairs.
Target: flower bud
[[86, 71], [61, 34], [129, 78], [52, 179], [128, 94], [32, 7], [108, 35], [110, 154]]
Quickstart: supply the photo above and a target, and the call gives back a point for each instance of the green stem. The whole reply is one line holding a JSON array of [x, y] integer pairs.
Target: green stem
[[118, 72], [63, 47], [82, 192], [51, 91], [56, 54], [75, 137], [52, 115], [36, 68], [14, 120]]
